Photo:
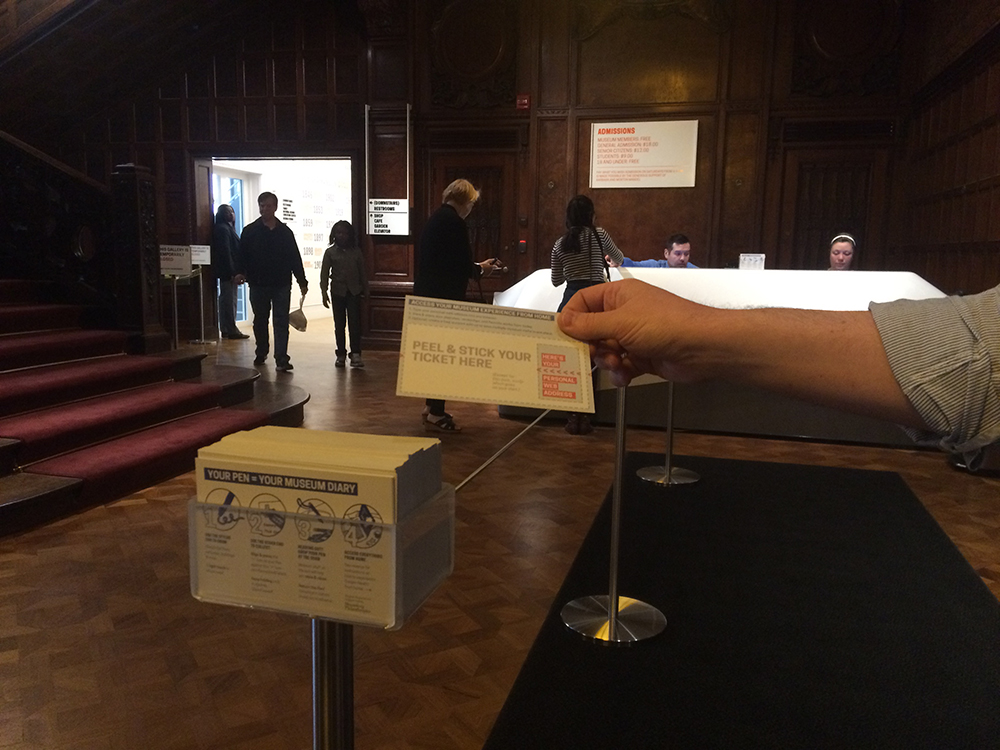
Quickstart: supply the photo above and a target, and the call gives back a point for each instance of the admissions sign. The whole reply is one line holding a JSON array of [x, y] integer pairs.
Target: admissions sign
[[643, 154]]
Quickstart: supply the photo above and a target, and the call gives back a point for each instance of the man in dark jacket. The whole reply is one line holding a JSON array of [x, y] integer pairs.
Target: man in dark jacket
[[225, 245], [267, 259]]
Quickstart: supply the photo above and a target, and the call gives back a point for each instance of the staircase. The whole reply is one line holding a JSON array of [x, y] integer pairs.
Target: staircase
[[83, 422]]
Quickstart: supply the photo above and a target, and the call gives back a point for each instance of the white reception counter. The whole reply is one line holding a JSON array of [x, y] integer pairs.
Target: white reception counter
[[720, 407]]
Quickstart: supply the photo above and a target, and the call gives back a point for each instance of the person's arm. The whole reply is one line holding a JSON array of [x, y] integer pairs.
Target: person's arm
[[298, 271], [831, 358], [324, 277], [611, 251], [651, 263], [362, 272], [241, 256], [555, 264], [222, 260]]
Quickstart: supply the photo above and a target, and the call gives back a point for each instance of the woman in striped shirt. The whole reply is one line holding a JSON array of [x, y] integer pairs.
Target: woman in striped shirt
[[578, 256]]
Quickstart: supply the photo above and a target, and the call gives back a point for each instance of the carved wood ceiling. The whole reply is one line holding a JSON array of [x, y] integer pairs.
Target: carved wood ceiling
[[71, 60]]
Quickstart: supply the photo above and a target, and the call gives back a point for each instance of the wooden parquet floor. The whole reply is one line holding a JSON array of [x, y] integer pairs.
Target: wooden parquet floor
[[102, 646]]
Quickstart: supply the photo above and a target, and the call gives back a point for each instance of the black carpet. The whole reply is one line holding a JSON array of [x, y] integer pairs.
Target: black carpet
[[806, 607]]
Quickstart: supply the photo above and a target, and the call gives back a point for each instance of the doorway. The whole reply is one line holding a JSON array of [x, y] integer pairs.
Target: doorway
[[493, 229], [313, 194], [828, 191]]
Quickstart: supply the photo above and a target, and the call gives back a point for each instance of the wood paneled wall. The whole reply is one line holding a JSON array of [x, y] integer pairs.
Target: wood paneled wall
[[18, 18], [943, 32], [950, 180], [784, 91], [291, 86]]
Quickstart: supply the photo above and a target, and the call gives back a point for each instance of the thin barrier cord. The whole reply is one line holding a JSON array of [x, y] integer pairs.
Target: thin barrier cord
[[503, 450]]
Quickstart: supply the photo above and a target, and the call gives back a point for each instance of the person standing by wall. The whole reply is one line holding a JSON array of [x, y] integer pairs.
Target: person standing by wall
[[225, 245], [268, 257], [444, 267], [342, 278]]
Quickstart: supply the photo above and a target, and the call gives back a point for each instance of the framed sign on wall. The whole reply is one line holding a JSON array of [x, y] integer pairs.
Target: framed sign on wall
[[643, 154]]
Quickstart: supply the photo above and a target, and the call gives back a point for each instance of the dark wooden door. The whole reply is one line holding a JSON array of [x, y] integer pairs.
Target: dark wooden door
[[493, 222], [826, 192]]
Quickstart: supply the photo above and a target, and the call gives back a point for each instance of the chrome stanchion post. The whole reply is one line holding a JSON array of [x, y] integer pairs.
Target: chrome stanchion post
[[668, 473], [333, 685], [176, 335], [201, 309], [610, 619]]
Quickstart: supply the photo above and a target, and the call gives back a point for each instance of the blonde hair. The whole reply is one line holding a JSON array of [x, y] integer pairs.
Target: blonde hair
[[460, 191]]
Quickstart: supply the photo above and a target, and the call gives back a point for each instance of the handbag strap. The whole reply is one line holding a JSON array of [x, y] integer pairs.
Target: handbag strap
[[604, 262]]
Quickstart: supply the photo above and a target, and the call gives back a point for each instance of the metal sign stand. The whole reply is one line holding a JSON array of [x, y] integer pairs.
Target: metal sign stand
[[609, 619], [196, 274], [333, 685], [173, 280], [668, 474]]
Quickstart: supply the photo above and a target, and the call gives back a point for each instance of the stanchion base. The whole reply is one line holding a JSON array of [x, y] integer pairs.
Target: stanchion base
[[637, 620], [657, 475], [202, 341]]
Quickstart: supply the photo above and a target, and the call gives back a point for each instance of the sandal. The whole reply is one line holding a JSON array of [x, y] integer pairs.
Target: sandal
[[444, 423], [427, 412]]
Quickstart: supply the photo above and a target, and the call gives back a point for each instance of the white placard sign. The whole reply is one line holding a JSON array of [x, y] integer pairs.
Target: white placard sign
[[388, 216], [201, 255], [175, 260], [643, 154]]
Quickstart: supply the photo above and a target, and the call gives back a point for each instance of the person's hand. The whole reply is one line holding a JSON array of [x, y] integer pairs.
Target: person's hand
[[612, 263], [326, 300], [635, 328], [488, 266], [303, 288]]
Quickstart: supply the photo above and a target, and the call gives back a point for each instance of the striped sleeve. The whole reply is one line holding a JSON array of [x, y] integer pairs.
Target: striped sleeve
[[945, 355], [610, 248], [555, 264]]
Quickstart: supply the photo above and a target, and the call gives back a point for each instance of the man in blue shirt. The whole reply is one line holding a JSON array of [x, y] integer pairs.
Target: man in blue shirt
[[676, 254]]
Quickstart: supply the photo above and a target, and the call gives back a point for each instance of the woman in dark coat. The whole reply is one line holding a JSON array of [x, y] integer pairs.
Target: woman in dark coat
[[444, 267], [225, 243]]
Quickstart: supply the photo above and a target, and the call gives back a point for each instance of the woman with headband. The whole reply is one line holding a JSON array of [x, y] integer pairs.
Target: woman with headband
[[842, 249]]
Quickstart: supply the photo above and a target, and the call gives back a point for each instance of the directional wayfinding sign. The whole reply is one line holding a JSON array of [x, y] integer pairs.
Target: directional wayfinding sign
[[388, 216]]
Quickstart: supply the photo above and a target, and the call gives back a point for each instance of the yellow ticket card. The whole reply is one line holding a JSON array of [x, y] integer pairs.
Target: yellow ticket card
[[490, 354]]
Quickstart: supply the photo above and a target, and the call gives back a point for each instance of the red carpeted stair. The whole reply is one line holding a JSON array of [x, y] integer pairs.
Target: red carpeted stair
[[127, 464], [82, 422], [31, 349], [36, 387], [14, 318], [57, 429]]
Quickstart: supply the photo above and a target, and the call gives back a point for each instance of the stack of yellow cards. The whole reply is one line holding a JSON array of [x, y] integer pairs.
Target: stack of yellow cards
[[348, 527]]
